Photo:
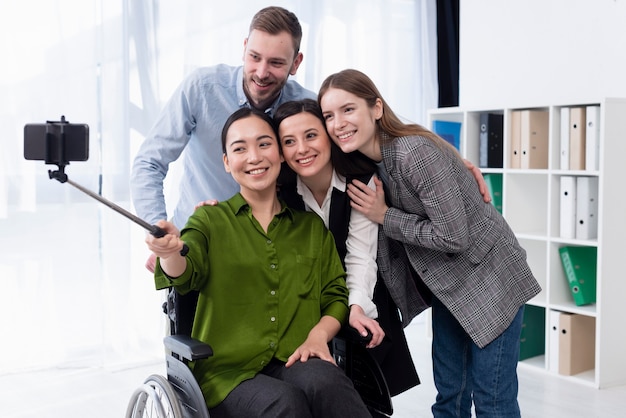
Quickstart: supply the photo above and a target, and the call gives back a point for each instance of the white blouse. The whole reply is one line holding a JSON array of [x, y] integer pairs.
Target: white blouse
[[361, 245]]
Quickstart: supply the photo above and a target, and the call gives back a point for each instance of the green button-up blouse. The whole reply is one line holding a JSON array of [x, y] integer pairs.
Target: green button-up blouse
[[259, 293]]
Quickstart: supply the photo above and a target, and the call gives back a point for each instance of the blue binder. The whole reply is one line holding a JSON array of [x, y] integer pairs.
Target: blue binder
[[450, 131]]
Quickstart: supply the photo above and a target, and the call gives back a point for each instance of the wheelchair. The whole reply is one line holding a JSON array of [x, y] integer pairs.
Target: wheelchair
[[179, 396]]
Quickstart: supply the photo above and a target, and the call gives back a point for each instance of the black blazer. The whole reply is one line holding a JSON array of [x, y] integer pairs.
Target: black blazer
[[392, 355]]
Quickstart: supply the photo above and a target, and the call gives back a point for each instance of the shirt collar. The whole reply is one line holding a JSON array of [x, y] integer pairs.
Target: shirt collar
[[243, 99], [337, 182], [238, 204]]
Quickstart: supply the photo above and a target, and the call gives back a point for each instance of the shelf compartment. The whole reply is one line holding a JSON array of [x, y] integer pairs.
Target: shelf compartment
[[525, 202]]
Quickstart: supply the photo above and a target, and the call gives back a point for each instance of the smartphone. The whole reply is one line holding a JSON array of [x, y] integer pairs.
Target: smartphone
[[56, 142]]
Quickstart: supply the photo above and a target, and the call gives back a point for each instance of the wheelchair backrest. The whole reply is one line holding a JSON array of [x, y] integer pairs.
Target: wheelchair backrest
[[181, 311]]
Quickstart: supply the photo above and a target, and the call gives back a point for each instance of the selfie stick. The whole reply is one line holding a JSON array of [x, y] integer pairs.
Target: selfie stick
[[153, 229], [62, 178]]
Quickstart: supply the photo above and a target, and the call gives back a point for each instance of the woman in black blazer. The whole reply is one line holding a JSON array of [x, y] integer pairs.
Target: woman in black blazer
[[307, 150]]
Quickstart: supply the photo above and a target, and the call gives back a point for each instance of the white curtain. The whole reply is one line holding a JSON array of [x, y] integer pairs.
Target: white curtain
[[75, 292]]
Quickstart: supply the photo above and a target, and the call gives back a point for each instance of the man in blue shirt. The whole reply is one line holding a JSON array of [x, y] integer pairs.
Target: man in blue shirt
[[193, 118]]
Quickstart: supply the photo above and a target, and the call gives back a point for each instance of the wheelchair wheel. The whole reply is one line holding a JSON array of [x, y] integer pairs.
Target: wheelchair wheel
[[154, 399]]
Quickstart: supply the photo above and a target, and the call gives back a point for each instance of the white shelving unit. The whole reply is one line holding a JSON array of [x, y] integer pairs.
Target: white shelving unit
[[530, 204]]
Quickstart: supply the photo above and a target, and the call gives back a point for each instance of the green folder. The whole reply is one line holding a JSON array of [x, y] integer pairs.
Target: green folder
[[494, 186], [533, 336], [579, 265]]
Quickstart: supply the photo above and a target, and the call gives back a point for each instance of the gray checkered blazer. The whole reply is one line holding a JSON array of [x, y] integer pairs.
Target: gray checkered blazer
[[460, 246]]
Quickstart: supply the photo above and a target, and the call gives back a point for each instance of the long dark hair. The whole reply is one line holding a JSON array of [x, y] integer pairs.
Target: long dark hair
[[350, 165]]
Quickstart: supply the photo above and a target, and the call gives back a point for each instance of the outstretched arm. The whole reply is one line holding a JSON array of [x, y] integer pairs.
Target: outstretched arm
[[167, 248]]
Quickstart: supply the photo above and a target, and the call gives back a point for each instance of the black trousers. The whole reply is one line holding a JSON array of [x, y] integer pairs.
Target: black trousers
[[315, 388]]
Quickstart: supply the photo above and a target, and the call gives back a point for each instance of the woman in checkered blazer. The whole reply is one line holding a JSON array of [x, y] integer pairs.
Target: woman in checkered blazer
[[439, 244]]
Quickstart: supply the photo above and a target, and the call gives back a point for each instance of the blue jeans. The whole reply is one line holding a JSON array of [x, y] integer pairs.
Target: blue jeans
[[463, 372]]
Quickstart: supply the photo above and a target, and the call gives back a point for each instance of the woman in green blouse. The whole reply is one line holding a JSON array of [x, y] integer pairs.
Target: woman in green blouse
[[272, 290]]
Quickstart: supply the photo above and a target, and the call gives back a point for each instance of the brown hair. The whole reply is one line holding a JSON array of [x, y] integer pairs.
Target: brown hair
[[274, 20], [389, 125], [348, 165]]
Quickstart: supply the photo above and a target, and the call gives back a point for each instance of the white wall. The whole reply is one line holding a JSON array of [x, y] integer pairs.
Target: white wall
[[536, 52]]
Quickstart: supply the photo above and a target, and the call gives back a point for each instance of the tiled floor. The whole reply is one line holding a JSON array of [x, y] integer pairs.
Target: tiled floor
[[103, 393]]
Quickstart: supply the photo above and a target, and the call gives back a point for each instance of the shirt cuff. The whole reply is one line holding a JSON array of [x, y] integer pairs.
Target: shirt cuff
[[359, 298], [162, 280], [339, 311]]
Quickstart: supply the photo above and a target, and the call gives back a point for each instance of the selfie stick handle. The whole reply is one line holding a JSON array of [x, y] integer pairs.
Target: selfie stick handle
[[153, 229]]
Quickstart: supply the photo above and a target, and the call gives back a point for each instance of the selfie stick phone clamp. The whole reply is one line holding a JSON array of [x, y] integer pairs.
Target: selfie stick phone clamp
[[61, 177]]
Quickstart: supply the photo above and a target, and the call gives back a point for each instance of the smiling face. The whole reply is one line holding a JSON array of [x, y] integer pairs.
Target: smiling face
[[306, 145], [350, 122], [268, 60], [252, 155]]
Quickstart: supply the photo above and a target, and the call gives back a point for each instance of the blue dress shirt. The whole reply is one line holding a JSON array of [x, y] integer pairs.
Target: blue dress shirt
[[192, 122]]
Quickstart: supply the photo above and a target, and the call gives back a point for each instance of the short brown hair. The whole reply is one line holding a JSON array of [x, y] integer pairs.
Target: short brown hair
[[274, 20]]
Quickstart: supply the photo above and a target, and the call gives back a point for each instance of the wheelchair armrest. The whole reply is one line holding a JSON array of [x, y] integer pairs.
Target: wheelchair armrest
[[187, 347]]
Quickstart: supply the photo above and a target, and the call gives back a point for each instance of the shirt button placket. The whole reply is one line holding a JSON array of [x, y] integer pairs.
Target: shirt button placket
[[272, 344], [273, 295]]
